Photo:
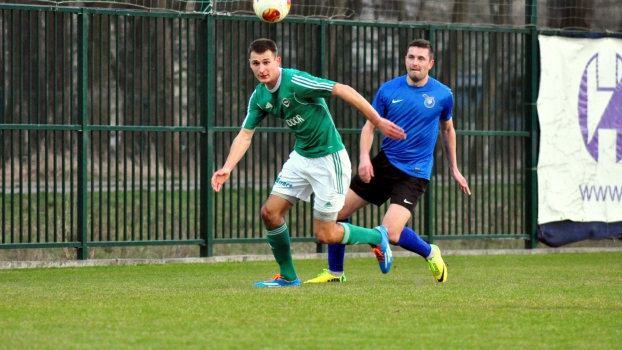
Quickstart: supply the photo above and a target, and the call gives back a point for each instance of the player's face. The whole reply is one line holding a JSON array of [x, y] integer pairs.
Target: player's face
[[418, 64], [265, 66]]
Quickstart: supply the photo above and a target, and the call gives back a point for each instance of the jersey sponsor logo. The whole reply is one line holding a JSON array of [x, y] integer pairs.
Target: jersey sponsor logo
[[396, 101], [278, 181], [294, 120], [268, 105], [429, 101], [285, 102]]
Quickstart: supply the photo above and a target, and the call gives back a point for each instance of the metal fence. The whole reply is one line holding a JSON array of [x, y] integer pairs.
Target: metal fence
[[584, 15], [112, 122]]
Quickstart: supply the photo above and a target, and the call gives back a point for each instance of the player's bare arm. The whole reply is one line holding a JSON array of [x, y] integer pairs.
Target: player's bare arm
[[366, 170], [239, 146], [448, 141], [351, 96]]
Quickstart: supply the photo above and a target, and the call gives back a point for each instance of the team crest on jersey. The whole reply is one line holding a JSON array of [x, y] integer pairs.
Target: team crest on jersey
[[285, 102], [429, 101]]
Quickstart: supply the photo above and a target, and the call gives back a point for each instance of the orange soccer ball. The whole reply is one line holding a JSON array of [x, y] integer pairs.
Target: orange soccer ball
[[271, 11]]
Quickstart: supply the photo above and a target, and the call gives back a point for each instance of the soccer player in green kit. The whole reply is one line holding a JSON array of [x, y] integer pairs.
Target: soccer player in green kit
[[318, 164]]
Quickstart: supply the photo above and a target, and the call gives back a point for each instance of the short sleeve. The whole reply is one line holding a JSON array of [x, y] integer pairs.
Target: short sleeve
[[447, 113], [254, 113], [378, 103]]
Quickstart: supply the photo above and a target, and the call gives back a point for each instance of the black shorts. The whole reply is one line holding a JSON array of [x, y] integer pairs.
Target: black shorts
[[389, 182]]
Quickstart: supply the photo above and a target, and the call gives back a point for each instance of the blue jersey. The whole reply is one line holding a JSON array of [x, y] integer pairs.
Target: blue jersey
[[418, 110]]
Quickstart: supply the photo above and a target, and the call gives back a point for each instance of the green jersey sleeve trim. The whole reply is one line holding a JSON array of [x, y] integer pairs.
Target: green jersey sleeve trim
[[309, 86]]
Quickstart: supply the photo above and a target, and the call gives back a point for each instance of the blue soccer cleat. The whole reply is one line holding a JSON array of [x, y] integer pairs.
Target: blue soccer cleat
[[383, 251], [278, 281]]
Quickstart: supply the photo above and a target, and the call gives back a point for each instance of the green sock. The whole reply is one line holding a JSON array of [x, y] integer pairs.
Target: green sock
[[278, 238], [360, 235]]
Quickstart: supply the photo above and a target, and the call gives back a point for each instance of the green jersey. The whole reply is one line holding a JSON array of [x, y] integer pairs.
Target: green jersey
[[298, 100]]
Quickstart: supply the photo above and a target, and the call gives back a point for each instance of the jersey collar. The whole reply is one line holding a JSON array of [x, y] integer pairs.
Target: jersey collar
[[278, 82]]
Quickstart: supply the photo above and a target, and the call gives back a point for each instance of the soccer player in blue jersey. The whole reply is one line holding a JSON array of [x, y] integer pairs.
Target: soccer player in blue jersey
[[401, 170], [318, 164]]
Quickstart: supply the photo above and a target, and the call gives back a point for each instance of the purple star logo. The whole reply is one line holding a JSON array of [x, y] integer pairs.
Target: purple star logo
[[611, 118]]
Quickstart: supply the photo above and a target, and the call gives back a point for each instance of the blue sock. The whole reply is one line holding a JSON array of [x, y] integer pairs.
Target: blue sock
[[411, 241], [336, 254]]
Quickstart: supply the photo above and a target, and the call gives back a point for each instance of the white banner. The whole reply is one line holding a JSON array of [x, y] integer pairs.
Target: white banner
[[580, 112]]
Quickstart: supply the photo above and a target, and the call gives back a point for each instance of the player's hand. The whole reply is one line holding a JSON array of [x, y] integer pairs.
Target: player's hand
[[390, 130], [219, 178], [462, 182], [366, 171]]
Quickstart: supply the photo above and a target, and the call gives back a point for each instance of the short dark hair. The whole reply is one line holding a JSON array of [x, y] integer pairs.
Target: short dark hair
[[424, 44], [262, 45]]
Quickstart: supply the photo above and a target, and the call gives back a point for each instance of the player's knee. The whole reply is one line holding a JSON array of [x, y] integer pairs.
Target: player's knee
[[268, 215], [264, 213], [394, 235]]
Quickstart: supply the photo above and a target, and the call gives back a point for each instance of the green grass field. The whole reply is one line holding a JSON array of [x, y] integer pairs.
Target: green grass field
[[558, 301]]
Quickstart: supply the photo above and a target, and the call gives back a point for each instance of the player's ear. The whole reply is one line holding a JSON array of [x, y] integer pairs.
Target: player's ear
[[278, 60], [431, 63]]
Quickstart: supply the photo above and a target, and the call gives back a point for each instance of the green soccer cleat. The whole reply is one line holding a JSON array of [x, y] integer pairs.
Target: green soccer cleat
[[437, 265], [326, 277]]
